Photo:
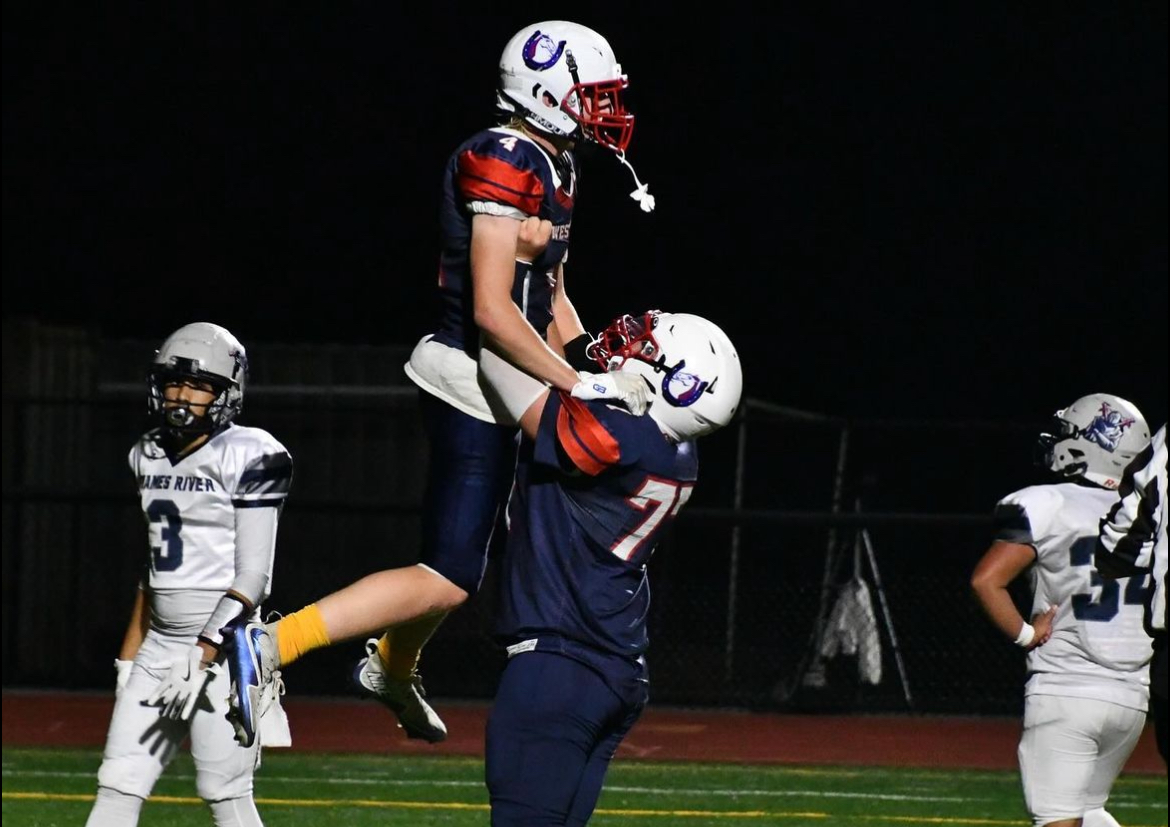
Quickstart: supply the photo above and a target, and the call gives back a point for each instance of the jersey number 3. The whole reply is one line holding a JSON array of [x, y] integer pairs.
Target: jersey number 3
[[170, 557]]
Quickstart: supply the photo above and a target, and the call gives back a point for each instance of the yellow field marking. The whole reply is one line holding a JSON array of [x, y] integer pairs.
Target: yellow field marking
[[709, 813], [435, 805], [274, 802]]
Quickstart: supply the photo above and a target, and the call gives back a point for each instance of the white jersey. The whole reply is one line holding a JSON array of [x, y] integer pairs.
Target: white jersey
[[190, 510], [1099, 648]]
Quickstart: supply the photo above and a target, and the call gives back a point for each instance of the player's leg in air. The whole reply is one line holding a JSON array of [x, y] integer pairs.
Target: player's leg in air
[[471, 466], [470, 472]]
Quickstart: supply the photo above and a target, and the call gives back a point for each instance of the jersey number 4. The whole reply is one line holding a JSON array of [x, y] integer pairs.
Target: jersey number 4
[[1105, 606], [658, 499], [170, 557]]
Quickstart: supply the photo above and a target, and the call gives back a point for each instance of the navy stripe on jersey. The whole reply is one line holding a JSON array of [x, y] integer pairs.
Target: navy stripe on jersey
[[1012, 524], [271, 474], [269, 502]]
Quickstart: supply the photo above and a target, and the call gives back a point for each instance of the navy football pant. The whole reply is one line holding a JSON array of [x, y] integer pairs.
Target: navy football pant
[[472, 464], [553, 729]]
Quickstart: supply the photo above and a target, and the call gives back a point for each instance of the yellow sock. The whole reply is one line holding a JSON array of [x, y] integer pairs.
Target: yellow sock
[[300, 633], [400, 661]]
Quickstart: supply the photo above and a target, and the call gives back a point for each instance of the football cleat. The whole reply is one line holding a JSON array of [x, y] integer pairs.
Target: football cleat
[[404, 698], [252, 664]]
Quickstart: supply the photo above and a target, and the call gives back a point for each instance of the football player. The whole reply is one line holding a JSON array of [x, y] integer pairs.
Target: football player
[[595, 489], [506, 332], [1088, 656], [1133, 541], [211, 494]]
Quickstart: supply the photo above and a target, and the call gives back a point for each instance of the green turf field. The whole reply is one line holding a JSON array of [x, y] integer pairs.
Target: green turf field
[[47, 787]]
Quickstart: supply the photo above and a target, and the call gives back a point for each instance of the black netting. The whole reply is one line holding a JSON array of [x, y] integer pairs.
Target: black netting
[[740, 599]]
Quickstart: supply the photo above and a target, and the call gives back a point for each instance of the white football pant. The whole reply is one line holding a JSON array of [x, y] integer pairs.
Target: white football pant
[[1071, 752], [140, 744]]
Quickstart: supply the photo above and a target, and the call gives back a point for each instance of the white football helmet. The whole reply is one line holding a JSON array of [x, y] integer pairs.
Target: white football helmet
[[689, 363], [1095, 438], [202, 352], [563, 79]]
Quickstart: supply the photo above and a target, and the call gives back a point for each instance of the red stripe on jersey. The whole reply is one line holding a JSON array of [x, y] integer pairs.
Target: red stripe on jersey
[[579, 456], [484, 178], [584, 438], [563, 198]]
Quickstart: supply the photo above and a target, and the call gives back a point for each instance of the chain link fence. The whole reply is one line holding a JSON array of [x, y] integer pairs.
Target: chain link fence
[[822, 564]]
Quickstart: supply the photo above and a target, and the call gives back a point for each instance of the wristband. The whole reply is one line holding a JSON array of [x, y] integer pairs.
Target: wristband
[[1026, 636], [577, 354]]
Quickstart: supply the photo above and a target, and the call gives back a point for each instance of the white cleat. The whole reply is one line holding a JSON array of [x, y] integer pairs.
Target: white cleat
[[404, 698]]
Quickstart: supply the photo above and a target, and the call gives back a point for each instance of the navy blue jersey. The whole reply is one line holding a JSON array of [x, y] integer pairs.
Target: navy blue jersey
[[501, 172], [593, 493]]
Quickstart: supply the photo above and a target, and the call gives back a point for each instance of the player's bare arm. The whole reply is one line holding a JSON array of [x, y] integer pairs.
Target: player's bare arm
[[136, 629], [1000, 565], [493, 267], [553, 337]]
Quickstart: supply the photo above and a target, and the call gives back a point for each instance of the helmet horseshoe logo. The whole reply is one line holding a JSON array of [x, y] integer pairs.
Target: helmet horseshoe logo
[[680, 388], [541, 51]]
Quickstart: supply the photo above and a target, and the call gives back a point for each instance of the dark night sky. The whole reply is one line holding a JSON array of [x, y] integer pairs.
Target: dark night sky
[[919, 211]]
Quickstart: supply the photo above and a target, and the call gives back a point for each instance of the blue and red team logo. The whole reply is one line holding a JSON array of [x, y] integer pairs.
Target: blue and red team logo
[[680, 388], [1108, 427], [541, 51]]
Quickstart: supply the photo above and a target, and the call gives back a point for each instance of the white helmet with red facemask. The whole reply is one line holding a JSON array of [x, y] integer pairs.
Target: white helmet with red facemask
[[689, 363], [563, 79]]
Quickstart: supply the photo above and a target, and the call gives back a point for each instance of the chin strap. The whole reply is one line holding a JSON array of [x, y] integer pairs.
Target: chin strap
[[642, 193]]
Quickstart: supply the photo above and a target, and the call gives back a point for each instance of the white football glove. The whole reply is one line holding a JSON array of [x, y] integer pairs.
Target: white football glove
[[629, 388], [122, 667], [183, 685]]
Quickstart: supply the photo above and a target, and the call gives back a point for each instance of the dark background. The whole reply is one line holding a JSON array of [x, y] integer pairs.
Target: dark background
[[913, 211], [924, 214]]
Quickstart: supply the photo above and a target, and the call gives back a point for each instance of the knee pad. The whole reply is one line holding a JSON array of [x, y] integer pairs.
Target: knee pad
[[112, 807], [235, 812], [130, 775], [224, 783]]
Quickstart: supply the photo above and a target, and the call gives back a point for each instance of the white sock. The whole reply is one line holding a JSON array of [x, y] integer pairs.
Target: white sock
[[114, 809], [235, 812]]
